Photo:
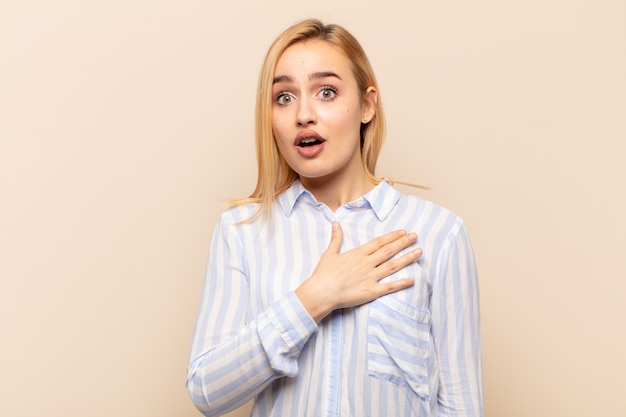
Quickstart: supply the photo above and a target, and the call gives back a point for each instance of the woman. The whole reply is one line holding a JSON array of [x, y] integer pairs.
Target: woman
[[381, 321]]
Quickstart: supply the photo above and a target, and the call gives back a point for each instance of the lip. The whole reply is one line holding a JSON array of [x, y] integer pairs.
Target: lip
[[307, 134], [312, 150]]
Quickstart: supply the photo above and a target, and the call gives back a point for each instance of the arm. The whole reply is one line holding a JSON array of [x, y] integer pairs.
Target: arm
[[456, 328], [352, 278], [231, 359]]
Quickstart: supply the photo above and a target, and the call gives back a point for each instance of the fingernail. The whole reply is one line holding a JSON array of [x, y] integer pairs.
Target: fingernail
[[335, 226]]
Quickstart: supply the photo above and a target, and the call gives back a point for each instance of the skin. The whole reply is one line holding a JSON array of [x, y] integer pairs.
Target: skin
[[307, 98], [315, 93]]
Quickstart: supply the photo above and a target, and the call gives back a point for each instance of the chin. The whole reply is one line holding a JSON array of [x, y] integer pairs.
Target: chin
[[311, 175], [311, 172]]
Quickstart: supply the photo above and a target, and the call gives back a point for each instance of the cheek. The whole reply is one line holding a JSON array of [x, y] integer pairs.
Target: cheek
[[346, 119], [352, 122], [283, 137], [277, 127]]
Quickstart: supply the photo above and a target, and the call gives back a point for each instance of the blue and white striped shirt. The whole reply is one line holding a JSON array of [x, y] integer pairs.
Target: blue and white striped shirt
[[416, 352]]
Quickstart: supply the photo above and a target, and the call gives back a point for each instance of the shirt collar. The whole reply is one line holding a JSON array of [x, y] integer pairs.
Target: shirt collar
[[381, 199]]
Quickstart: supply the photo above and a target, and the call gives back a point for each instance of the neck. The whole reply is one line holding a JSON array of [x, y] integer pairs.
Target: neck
[[334, 192]]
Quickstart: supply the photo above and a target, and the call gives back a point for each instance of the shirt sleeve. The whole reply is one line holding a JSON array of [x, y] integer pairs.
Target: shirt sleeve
[[456, 328], [233, 358]]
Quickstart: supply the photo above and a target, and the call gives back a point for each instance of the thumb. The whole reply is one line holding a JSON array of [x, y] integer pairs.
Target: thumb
[[336, 238]]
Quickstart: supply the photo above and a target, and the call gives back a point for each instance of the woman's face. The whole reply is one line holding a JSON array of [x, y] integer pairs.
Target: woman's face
[[317, 112]]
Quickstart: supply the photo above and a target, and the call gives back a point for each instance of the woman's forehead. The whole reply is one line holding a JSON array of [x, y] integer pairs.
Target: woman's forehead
[[312, 56]]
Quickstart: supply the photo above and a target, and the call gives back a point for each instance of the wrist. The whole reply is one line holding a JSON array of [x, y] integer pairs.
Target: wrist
[[314, 301]]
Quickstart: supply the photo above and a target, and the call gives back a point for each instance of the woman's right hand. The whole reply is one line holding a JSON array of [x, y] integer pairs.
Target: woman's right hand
[[352, 278]]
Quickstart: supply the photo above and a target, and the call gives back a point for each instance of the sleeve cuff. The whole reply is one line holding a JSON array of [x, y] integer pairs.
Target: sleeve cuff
[[284, 329]]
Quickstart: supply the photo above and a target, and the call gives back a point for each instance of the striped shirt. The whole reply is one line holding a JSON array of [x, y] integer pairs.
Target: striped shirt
[[416, 352]]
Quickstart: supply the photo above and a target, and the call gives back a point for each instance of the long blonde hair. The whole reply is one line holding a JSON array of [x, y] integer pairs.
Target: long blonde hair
[[274, 175]]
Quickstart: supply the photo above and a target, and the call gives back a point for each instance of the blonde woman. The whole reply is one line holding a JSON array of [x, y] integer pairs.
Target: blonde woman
[[328, 292]]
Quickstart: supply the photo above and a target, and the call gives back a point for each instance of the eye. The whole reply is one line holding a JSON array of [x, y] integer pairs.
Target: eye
[[283, 99], [327, 93]]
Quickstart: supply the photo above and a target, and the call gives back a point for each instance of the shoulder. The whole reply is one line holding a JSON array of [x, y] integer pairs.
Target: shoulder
[[427, 211], [241, 213], [438, 228]]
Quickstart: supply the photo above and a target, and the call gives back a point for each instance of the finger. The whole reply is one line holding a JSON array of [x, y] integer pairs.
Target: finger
[[336, 238], [387, 268], [391, 249], [394, 286], [380, 242]]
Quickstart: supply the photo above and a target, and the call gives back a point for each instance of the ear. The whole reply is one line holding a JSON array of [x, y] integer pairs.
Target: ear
[[370, 98]]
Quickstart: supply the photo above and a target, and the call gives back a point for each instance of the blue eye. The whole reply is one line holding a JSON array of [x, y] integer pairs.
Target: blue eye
[[283, 99]]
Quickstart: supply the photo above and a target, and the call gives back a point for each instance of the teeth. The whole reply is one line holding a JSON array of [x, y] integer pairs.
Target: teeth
[[308, 142]]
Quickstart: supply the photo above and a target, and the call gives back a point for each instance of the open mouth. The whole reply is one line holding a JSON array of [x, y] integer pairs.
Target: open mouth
[[309, 142]]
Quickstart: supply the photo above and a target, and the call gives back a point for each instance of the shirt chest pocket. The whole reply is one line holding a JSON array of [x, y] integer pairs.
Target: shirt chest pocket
[[398, 342]]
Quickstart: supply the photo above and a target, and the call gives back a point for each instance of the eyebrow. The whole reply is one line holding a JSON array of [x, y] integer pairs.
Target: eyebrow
[[313, 76]]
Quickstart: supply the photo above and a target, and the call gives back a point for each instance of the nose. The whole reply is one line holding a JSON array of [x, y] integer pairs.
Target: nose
[[305, 112]]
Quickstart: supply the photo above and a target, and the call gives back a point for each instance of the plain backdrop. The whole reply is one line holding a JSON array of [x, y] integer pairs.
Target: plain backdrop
[[125, 125]]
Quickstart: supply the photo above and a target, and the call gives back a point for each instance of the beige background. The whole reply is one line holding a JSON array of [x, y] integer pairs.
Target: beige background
[[125, 124]]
